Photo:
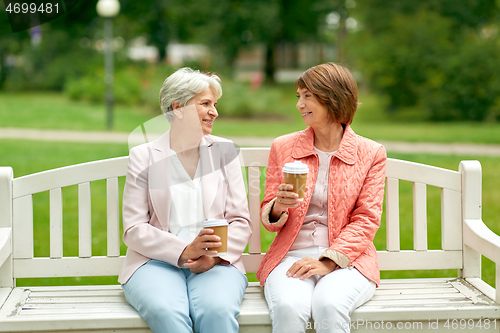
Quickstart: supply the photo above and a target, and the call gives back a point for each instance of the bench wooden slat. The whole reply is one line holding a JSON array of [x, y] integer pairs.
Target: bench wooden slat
[[254, 207], [96, 266], [413, 313], [419, 260], [6, 214], [56, 223], [12, 305], [497, 282], [392, 214], [444, 294], [77, 300], [23, 227], [451, 236], [255, 157], [429, 302], [63, 310], [252, 261], [426, 174], [90, 322], [67, 266], [113, 217], [84, 221], [70, 175], [75, 293], [399, 285], [419, 216], [4, 294], [5, 244]]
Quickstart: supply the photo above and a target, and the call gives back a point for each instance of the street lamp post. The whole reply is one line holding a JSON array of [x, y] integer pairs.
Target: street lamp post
[[108, 9]]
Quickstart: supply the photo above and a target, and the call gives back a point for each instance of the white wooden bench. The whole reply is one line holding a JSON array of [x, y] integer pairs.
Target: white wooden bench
[[450, 302]]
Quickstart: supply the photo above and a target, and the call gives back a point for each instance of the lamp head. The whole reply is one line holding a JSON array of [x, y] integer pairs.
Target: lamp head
[[108, 8]]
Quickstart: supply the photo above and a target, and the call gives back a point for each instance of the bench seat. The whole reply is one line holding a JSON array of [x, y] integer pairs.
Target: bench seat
[[104, 308]]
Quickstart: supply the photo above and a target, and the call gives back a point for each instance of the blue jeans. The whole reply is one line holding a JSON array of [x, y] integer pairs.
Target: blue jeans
[[172, 299]]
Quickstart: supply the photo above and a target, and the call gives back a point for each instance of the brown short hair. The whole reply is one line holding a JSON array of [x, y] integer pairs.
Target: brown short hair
[[335, 87]]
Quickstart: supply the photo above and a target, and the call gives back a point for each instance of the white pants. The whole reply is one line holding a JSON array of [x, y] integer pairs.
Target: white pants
[[330, 299]]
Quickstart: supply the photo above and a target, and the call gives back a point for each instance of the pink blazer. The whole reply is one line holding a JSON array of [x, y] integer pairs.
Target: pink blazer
[[147, 199], [356, 192]]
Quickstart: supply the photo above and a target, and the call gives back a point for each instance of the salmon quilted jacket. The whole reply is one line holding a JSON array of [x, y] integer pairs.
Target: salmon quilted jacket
[[356, 191]]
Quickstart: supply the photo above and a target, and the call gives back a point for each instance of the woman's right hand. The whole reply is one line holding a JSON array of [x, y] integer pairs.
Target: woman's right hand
[[200, 246], [285, 199]]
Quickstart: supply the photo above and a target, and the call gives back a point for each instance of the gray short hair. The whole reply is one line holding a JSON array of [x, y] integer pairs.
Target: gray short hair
[[183, 85]]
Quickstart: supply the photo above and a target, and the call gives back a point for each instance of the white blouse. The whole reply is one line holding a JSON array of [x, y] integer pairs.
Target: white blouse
[[314, 231], [186, 210]]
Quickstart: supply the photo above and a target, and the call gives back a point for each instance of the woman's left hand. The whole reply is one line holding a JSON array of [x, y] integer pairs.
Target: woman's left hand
[[308, 267], [202, 264]]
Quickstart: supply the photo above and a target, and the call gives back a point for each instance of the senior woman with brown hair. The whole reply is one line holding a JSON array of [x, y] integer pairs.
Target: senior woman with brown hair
[[322, 263], [171, 275]]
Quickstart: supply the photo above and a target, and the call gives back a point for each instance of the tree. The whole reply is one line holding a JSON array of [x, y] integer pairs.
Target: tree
[[415, 53]]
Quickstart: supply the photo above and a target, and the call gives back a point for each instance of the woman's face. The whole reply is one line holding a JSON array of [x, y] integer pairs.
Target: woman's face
[[313, 112], [205, 103]]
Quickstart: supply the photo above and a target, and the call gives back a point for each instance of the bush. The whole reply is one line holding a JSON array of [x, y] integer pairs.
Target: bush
[[426, 61], [49, 65], [126, 87], [470, 86], [141, 84], [239, 100]]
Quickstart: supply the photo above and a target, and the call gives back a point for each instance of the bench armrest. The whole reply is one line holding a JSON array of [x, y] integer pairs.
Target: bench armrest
[[480, 238], [5, 244]]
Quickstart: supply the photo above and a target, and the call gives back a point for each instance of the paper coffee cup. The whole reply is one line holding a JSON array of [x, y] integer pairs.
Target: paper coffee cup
[[296, 174], [219, 226]]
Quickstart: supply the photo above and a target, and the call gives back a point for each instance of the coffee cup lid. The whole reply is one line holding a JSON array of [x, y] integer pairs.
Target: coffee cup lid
[[297, 167], [214, 223]]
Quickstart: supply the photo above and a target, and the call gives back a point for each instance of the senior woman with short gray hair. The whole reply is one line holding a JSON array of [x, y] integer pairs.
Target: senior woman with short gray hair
[[172, 275]]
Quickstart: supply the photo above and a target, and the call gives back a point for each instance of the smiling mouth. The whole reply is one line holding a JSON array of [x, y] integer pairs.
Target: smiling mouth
[[306, 114], [209, 122]]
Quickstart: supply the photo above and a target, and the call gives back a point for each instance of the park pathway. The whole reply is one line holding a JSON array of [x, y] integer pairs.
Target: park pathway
[[120, 137]]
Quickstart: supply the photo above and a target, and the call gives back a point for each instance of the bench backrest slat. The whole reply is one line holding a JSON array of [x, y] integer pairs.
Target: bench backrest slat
[[419, 216], [113, 217], [56, 223], [451, 235], [254, 205], [254, 161], [84, 221], [23, 227], [392, 214]]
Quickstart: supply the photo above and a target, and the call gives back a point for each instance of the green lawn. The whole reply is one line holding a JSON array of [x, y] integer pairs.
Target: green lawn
[[30, 156], [50, 110], [56, 111]]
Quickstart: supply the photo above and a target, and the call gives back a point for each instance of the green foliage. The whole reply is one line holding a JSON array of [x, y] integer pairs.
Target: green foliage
[[140, 84], [239, 100], [397, 64], [435, 55], [48, 68], [126, 87], [469, 85]]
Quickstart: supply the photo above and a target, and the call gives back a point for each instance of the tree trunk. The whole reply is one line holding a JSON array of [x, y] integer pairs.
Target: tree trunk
[[342, 33], [270, 66]]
